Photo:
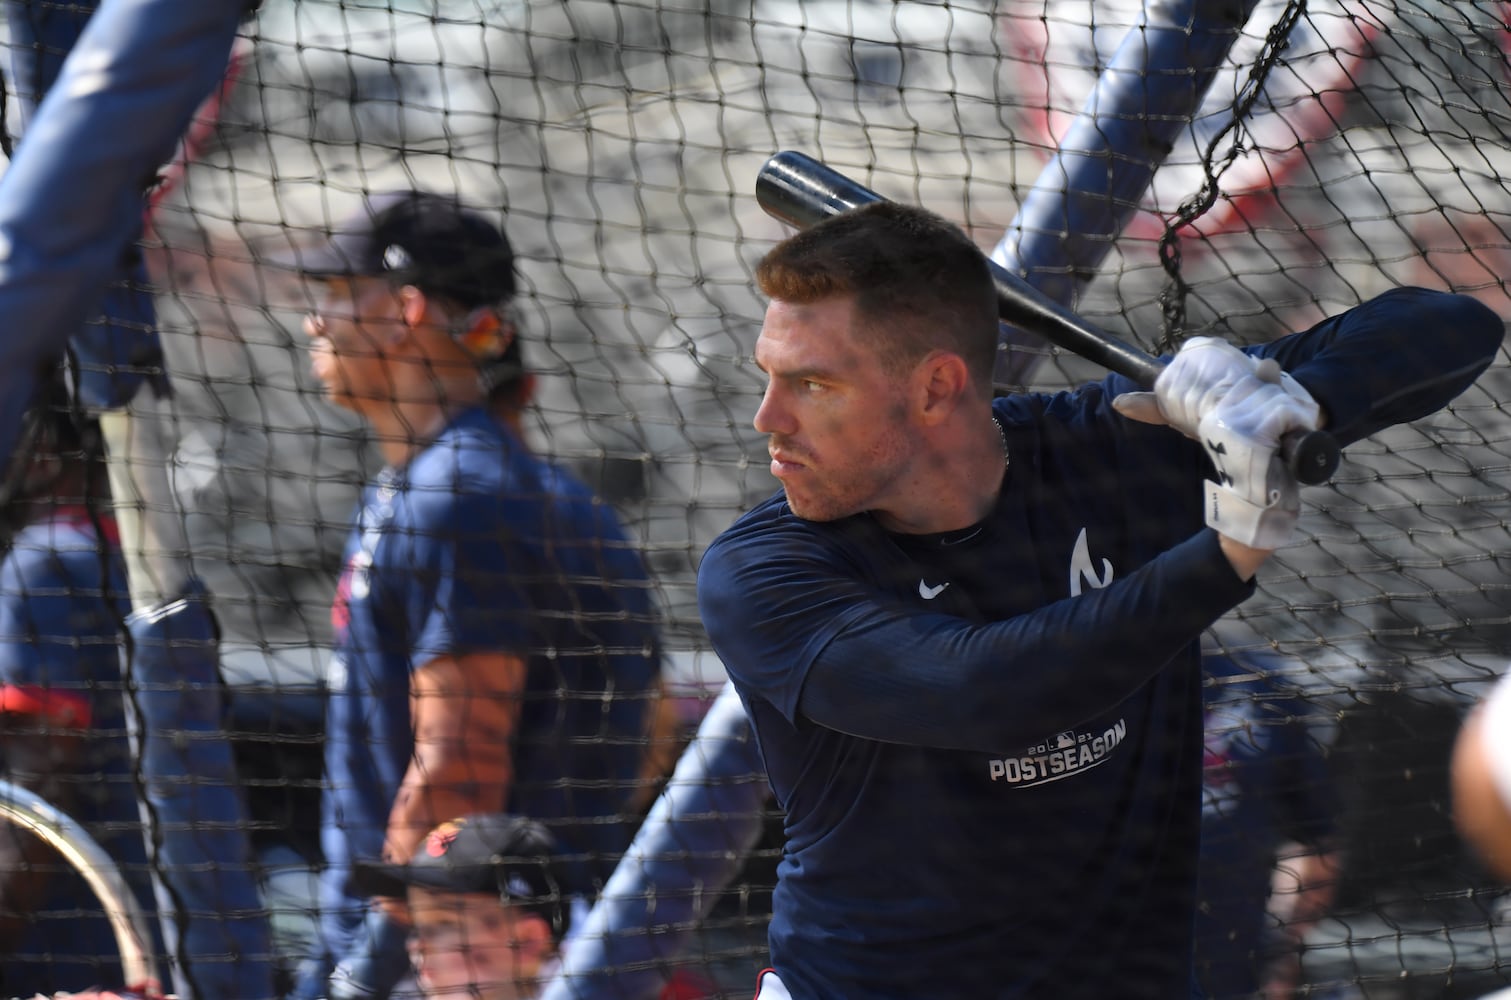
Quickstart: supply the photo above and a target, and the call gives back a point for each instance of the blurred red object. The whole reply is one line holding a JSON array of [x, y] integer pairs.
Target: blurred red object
[[686, 985]]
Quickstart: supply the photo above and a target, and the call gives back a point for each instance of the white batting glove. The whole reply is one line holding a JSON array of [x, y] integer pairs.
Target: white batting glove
[[1189, 386], [1255, 500]]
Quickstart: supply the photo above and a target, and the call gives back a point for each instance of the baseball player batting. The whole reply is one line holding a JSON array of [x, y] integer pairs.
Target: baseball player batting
[[966, 629]]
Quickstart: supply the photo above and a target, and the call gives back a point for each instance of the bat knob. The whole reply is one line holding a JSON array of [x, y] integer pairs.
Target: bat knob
[[1311, 456]]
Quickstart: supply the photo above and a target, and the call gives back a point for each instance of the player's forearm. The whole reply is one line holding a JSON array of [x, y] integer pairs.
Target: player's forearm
[[943, 682], [464, 712], [442, 783], [1396, 358], [1244, 559], [462, 763]]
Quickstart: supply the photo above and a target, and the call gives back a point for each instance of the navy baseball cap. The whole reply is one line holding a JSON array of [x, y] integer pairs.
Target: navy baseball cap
[[421, 239], [497, 854]]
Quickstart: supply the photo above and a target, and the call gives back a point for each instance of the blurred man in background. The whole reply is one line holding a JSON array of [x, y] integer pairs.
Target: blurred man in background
[[496, 644]]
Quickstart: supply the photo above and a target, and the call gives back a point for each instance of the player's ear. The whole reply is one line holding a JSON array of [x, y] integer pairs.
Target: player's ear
[[940, 380], [413, 305], [533, 935]]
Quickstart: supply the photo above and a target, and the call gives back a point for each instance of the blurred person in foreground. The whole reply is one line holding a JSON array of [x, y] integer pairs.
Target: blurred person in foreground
[[496, 642], [63, 603], [972, 622], [1480, 775], [1480, 779]]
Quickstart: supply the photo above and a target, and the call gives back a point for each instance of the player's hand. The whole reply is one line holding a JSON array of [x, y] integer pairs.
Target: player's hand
[[1187, 389], [1255, 500]]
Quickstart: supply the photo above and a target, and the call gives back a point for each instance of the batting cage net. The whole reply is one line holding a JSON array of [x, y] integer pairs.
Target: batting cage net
[[182, 564]]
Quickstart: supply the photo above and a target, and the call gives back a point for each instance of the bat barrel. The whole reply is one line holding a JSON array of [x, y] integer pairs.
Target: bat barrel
[[801, 191]]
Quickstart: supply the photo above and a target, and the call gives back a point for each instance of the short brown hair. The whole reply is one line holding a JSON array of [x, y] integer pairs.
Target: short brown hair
[[917, 280]]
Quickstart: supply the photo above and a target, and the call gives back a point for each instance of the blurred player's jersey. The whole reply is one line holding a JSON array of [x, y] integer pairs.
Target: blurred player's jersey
[[478, 545], [63, 599], [1265, 781]]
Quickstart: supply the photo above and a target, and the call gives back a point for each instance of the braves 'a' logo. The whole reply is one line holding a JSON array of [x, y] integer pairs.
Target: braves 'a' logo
[[1081, 568]]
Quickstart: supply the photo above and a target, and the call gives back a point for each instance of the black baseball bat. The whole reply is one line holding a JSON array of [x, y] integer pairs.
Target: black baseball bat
[[801, 191]]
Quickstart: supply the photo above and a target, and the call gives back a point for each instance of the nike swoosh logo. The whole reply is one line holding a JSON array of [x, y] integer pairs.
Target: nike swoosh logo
[[929, 593]]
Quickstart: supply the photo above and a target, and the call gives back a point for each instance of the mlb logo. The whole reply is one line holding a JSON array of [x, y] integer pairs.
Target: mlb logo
[[1065, 739], [396, 258]]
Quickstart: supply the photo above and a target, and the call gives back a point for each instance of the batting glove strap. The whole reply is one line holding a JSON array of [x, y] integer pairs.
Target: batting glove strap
[[1234, 516], [1253, 499]]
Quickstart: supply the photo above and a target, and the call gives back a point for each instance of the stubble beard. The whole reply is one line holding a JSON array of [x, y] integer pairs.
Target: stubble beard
[[860, 489]]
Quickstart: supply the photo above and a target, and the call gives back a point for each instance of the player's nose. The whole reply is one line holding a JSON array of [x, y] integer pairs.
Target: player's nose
[[772, 416]]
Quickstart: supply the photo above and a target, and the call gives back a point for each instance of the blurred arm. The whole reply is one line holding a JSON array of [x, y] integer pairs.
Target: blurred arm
[[665, 742], [1305, 885], [1481, 778], [464, 712]]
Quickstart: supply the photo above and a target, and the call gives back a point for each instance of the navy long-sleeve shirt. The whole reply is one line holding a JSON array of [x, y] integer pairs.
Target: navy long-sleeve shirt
[[988, 743]]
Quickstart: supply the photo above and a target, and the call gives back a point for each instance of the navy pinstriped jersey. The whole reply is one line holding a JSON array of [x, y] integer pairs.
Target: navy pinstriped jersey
[[1007, 803]]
